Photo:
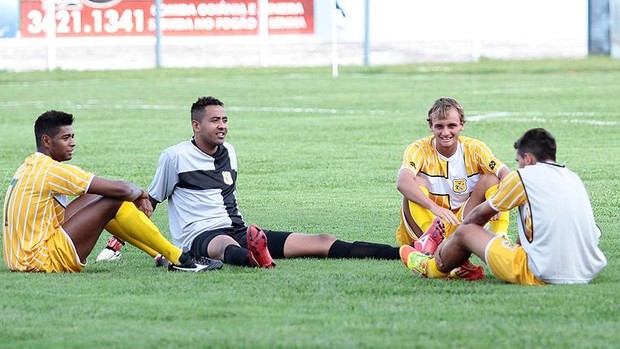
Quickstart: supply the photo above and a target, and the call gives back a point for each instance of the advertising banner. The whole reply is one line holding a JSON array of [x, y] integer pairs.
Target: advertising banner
[[75, 18]]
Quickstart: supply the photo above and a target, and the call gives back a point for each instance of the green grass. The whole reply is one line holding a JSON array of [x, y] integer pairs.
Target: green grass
[[316, 154]]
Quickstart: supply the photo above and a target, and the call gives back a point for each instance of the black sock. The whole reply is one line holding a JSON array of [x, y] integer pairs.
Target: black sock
[[183, 258], [361, 249], [236, 255]]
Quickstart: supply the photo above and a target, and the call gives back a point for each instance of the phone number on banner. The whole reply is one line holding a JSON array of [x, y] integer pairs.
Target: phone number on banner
[[138, 18]]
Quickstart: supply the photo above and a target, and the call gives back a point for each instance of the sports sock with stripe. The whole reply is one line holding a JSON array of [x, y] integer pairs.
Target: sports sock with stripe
[[135, 226]]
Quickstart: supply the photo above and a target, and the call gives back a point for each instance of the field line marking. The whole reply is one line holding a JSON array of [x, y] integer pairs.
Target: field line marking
[[521, 117]]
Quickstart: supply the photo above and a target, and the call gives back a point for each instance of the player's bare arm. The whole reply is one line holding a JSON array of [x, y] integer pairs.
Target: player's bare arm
[[480, 215], [410, 189], [122, 190], [503, 172], [116, 189]]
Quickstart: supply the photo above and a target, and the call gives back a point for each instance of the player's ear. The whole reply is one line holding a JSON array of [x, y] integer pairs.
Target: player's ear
[[530, 158], [195, 125], [46, 140]]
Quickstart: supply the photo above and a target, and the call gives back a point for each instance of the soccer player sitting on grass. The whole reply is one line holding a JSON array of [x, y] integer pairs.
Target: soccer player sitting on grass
[[558, 237], [43, 232], [442, 178], [198, 178]]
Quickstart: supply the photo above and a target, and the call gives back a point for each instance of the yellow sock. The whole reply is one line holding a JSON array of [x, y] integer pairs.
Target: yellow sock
[[115, 229], [423, 217], [136, 226], [432, 271], [500, 226]]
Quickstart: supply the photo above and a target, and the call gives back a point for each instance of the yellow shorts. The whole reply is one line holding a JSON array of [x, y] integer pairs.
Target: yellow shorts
[[405, 234], [62, 254], [508, 262]]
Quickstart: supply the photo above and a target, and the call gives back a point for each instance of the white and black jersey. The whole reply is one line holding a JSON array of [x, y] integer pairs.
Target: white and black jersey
[[200, 189]]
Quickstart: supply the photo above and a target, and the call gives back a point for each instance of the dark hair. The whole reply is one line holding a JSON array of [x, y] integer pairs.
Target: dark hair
[[49, 122], [441, 106], [199, 106], [538, 142]]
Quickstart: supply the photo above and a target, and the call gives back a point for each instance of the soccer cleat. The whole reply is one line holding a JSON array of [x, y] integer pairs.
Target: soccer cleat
[[197, 264], [257, 244], [414, 260], [108, 255], [404, 252], [468, 271], [427, 243], [253, 262], [112, 251], [212, 263]]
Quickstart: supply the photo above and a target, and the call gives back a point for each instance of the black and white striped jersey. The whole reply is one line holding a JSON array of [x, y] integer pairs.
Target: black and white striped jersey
[[200, 189]]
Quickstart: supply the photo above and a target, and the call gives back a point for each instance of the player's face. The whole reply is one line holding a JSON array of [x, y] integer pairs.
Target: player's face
[[61, 146], [447, 131], [212, 129]]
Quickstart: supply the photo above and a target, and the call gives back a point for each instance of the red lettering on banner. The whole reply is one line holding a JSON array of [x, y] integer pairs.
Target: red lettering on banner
[[178, 17], [291, 17]]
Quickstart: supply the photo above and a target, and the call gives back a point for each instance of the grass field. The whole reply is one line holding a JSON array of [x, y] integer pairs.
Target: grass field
[[316, 154]]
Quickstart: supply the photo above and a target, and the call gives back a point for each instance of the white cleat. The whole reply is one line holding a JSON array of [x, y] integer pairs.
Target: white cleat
[[108, 255]]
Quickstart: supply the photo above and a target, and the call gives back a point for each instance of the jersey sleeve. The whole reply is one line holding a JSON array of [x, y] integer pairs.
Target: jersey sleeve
[[511, 193], [487, 162], [165, 179], [413, 158], [70, 180]]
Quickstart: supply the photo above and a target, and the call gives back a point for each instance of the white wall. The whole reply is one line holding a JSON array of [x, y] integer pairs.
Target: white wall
[[507, 20]]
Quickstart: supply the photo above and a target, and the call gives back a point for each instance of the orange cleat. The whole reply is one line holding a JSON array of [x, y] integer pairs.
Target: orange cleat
[[428, 242], [468, 271], [257, 244], [414, 260]]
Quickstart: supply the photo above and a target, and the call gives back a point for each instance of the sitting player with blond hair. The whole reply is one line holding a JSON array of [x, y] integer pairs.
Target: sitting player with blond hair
[[442, 178], [557, 239]]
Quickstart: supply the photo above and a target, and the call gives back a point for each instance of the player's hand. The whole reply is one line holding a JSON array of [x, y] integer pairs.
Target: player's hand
[[144, 204], [447, 215]]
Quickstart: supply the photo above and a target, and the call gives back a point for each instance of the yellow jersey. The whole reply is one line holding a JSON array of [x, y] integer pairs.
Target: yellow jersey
[[34, 208], [451, 180]]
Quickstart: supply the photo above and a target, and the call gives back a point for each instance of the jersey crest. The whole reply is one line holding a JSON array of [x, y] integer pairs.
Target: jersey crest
[[459, 185], [227, 177]]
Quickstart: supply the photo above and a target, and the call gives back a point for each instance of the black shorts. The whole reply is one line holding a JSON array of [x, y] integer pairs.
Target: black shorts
[[275, 240]]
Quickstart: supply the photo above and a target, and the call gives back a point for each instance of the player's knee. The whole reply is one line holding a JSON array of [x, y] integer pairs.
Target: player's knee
[[107, 207], [462, 233], [325, 239], [486, 181], [218, 245]]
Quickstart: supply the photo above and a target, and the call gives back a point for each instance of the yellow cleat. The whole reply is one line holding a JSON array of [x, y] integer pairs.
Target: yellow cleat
[[414, 260]]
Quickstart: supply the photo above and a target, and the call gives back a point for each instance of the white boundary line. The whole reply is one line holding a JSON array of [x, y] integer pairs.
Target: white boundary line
[[547, 117], [582, 118]]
